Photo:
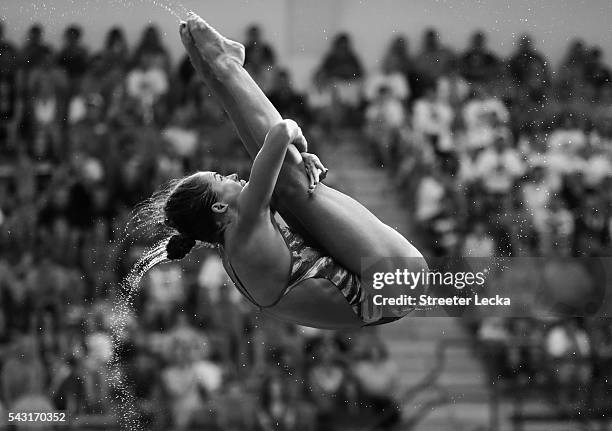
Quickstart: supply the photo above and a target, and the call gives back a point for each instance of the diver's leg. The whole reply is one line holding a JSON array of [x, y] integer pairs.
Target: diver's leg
[[218, 62], [340, 224], [251, 112]]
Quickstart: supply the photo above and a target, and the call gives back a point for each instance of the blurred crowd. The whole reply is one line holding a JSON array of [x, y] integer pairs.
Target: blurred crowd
[[497, 156], [491, 156]]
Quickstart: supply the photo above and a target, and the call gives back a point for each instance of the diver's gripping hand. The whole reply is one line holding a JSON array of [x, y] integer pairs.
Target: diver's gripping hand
[[314, 169]]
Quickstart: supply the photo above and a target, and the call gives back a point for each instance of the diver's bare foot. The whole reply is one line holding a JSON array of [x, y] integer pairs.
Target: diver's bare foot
[[197, 61], [212, 46]]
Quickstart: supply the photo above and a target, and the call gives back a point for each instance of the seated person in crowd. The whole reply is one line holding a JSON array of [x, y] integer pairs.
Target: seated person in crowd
[[289, 102], [377, 378], [73, 57], [342, 68], [434, 60], [432, 121], [478, 63]]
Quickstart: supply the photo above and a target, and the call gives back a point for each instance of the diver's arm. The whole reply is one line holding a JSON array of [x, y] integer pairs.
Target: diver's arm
[[267, 165]]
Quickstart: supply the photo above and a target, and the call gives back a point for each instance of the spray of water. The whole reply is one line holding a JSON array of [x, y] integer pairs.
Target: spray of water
[[171, 7], [124, 400], [86, 7], [145, 224]]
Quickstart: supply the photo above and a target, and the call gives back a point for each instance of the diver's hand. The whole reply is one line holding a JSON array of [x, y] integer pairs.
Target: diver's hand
[[314, 169], [294, 134]]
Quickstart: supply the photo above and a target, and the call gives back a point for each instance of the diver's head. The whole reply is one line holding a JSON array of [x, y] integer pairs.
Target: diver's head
[[200, 207]]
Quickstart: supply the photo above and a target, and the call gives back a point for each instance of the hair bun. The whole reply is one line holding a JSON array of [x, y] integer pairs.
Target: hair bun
[[179, 246]]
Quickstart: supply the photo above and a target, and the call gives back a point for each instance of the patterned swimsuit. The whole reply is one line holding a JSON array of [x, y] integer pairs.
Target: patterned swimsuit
[[307, 262]]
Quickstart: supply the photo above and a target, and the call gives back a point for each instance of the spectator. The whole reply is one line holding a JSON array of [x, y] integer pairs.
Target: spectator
[[432, 121], [478, 64], [18, 300], [259, 54], [478, 242], [453, 89], [494, 336], [499, 167], [35, 50], [377, 377], [237, 407], [341, 62], [568, 346], [68, 386], [393, 75], [115, 52], [568, 136], [151, 48], [80, 196], [147, 83], [73, 57], [342, 70], [434, 60], [323, 103], [183, 387], [289, 102], [386, 110], [23, 373], [529, 69], [182, 135], [572, 72], [47, 85], [209, 373], [164, 292], [484, 117], [281, 408], [385, 117], [185, 73], [430, 196], [597, 73], [89, 134], [10, 103], [143, 369], [328, 385], [99, 348], [564, 145], [535, 195], [398, 57], [557, 237], [592, 229], [601, 340]]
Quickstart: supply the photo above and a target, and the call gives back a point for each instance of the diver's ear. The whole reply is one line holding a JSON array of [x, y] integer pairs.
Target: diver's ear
[[219, 207]]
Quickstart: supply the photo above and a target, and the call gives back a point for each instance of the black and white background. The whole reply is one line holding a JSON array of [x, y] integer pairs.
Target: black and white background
[[475, 128]]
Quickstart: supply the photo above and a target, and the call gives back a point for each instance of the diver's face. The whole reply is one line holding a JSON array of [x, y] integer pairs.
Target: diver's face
[[227, 187]]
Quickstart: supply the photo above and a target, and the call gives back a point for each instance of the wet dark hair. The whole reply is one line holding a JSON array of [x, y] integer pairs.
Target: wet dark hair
[[179, 246], [188, 211]]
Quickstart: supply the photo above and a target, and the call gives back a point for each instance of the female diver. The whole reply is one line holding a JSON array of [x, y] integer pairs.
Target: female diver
[[308, 272]]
